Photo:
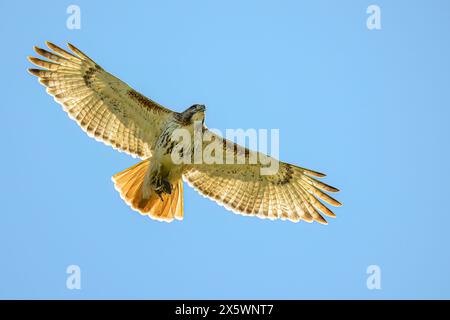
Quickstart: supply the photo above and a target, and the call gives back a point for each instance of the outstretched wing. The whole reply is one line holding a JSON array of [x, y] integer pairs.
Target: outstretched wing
[[105, 107], [291, 193]]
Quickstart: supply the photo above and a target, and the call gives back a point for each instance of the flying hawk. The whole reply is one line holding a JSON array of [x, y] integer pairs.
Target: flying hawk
[[110, 111]]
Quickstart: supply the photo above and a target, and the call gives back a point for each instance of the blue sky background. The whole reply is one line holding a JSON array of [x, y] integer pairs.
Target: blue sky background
[[369, 108]]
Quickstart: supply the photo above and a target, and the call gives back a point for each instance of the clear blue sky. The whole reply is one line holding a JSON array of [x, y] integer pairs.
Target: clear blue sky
[[369, 108]]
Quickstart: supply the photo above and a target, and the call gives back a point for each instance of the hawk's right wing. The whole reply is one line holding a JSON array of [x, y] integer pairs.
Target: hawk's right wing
[[105, 107]]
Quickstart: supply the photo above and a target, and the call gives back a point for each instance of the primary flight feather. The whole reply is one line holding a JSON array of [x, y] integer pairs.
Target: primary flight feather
[[109, 110]]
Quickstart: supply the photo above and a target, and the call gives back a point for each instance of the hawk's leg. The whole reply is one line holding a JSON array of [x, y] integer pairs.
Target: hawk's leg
[[158, 181], [162, 186], [166, 187]]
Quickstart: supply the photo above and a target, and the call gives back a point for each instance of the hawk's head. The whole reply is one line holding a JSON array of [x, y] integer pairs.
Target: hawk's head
[[194, 113], [196, 108]]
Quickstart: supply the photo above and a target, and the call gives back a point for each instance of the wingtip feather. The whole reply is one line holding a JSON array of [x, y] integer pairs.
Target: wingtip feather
[[33, 59], [333, 189], [34, 72], [72, 47], [51, 45], [321, 220]]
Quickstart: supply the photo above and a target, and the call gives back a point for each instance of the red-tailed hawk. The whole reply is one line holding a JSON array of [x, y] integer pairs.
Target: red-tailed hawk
[[110, 111]]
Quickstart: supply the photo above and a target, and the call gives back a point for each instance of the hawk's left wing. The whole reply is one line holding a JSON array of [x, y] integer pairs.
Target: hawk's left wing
[[105, 107], [290, 193]]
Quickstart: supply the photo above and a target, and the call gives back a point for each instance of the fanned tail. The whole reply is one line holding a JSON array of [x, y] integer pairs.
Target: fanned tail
[[165, 208]]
